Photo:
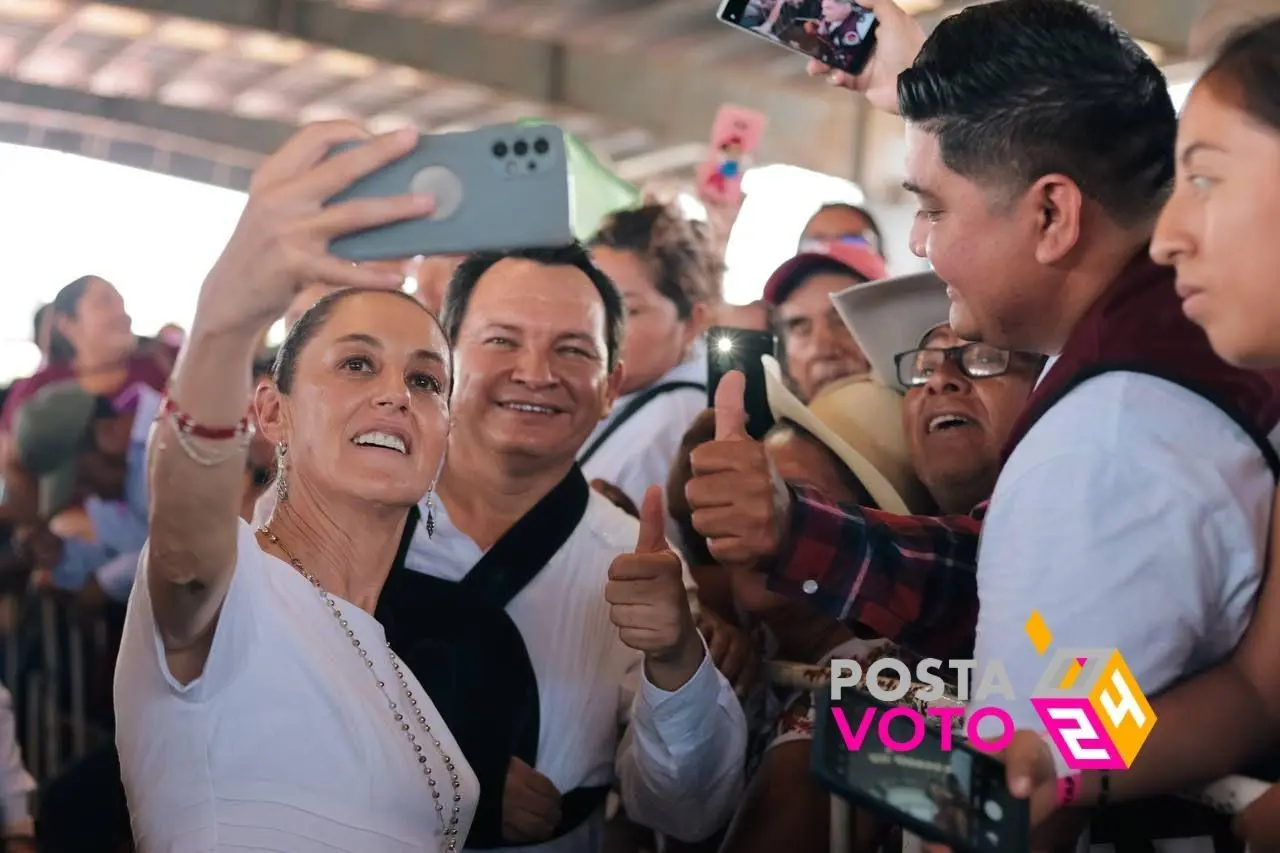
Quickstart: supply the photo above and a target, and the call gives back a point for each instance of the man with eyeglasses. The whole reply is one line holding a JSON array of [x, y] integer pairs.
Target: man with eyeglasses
[[961, 403], [910, 579], [817, 349], [840, 221]]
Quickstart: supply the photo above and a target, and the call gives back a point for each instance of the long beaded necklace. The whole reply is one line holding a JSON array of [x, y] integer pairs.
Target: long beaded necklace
[[451, 829]]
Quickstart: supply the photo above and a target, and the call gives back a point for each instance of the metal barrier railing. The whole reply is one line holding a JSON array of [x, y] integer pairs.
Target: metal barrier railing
[[47, 657]]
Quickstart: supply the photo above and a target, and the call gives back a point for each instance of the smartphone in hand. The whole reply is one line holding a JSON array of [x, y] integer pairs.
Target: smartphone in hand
[[955, 796], [741, 349], [500, 187], [735, 137], [838, 33]]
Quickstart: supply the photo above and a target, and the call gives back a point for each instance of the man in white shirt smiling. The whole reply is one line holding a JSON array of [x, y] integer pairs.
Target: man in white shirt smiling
[[1133, 506], [536, 337]]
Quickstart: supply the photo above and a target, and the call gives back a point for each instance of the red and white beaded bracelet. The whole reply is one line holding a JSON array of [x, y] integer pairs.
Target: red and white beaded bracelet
[[186, 428]]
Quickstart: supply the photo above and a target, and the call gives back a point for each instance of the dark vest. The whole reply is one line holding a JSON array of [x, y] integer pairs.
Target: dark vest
[[454, 636], [1138, 326]]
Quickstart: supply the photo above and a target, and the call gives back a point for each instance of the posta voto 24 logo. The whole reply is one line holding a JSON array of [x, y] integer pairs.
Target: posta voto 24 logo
[[1087, 700]]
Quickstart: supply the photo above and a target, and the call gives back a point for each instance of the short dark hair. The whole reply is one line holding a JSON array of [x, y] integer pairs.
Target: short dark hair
[[473, 267], [679, 252], [855, 209], [1250, 61], [1019, 89], [312, 321]]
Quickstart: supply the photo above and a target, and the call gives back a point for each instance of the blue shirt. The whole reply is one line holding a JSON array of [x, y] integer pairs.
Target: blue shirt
[[120, 526]]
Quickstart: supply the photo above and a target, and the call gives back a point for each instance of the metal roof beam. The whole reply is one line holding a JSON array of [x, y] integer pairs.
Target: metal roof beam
[[674, 92]]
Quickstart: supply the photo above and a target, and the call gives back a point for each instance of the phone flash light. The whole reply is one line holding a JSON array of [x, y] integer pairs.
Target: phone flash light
[[724, 345]]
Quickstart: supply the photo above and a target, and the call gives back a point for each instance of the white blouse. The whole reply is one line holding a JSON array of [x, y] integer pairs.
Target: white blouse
[[285, 742]]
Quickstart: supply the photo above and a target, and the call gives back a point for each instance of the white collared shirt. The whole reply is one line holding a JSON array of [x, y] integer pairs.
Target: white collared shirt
[[680, 761], [1133, 515], [639, 454]]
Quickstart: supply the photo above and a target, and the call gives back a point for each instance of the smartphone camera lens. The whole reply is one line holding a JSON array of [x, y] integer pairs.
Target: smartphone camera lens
[[499, 149], [521, 148], [541, 146]]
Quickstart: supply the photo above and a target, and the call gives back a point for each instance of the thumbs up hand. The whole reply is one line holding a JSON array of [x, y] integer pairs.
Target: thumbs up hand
[[649, 604], [739, 502]]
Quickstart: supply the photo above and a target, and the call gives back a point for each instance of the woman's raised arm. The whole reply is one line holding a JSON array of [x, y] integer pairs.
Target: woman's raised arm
[[198, 447]]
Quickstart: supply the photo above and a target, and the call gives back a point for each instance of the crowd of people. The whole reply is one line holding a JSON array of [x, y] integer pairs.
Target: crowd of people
[[476, 567]]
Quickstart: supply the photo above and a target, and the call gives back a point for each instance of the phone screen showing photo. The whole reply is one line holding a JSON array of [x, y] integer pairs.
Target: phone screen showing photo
[[955, 796], [838, 33]]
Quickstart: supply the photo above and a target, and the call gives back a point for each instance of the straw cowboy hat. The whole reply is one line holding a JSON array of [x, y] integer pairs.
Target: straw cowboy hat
[[860, 421], [891, 317]]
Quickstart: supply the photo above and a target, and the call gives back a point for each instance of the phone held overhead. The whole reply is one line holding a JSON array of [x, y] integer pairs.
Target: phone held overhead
[[735, 137], [741, 350], [885, 759], [838, 33], [500, 187]]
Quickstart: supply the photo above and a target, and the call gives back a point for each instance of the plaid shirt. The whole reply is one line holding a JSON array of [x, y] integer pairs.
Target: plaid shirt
[[911, 579]]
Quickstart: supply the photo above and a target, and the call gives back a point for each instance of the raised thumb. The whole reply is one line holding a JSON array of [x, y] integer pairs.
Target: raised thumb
[[653, 536], [731, 410]]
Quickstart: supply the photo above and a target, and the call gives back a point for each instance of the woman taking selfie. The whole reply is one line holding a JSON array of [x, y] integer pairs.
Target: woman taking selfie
[[259, 705]]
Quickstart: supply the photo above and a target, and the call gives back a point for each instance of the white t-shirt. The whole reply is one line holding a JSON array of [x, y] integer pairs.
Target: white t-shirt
[[284, 742], [1134, 515], [639, 454]]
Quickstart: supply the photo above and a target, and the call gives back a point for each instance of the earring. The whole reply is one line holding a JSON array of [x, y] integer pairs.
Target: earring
[[282, 481], [430, 521]]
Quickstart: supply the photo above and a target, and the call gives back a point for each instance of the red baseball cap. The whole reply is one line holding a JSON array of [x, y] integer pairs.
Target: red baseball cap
[[861, 260]]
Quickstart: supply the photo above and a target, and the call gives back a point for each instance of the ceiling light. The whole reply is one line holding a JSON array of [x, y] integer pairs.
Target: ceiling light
[[52, 68], [347, 64], [1155, 51], [114, 21], [193, 35], [265, 47], [32, 10], [260, 105], [129, 81], [322, 112], [191, 93]]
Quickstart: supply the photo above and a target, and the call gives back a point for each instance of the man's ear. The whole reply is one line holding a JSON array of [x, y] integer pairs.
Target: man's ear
[[613, 388], [1059, 206], [269, 412]]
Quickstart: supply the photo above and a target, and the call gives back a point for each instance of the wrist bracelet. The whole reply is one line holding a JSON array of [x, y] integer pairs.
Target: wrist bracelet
[[1068, 789]]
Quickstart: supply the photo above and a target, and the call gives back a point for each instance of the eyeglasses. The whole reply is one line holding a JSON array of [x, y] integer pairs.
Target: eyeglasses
[[866, 239], [976, 361]]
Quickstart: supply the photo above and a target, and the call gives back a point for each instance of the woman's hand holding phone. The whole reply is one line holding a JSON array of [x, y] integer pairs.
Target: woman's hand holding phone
[[899, 38]]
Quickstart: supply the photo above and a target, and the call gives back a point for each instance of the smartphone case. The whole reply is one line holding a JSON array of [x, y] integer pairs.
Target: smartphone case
[[497, 188], [748, 346], [848, 48], [735, 138]]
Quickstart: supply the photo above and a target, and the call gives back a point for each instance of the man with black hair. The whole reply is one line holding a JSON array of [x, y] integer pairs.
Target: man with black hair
[[1133, 505], [817, 350], [517, 560]]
